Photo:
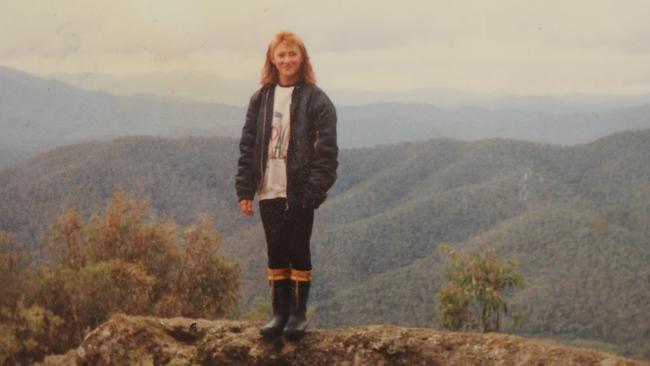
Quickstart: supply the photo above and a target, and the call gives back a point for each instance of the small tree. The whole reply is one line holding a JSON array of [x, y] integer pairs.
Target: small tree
[[474, 294]]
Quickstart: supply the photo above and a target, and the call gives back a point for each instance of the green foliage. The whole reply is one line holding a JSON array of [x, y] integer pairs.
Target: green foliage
[[592, 344], [14, 261], [26, 333], [204, 282], [261, 310], [474, 294], [127, 260], [25, 330]]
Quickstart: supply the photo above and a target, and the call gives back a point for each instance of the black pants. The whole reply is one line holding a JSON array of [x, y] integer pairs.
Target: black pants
[[288, 233]]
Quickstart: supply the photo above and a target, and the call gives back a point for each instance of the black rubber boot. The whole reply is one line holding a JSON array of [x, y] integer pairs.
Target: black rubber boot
[[297, 323], [280, 297]]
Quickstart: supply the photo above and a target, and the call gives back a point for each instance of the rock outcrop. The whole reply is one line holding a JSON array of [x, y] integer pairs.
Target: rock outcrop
[[134, 340]]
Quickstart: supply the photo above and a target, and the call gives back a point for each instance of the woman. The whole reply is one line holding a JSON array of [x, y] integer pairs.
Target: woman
[[288, 156]]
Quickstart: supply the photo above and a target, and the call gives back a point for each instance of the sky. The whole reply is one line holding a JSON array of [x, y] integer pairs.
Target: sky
[[511, 46]]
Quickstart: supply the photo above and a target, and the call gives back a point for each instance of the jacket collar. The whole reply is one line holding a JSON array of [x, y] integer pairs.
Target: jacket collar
[[298, 84]]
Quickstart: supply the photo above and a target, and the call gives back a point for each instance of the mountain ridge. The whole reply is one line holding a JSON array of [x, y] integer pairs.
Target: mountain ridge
[[38, 114]]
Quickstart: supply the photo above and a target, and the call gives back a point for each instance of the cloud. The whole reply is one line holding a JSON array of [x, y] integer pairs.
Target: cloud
[[500, 44]]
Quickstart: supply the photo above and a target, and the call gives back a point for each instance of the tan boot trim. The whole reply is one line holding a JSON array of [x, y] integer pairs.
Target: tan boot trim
[[278, 274], [301, 276]]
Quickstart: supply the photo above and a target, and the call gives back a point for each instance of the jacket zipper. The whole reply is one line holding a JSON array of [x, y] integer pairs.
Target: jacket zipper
[[291, 138], [259, 185]]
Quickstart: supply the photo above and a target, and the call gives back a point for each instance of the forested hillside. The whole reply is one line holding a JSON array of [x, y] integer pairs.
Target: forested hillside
[[182, 178], [576, 219]]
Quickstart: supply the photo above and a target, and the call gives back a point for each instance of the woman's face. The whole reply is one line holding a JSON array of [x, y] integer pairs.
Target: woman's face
[[287, 59]]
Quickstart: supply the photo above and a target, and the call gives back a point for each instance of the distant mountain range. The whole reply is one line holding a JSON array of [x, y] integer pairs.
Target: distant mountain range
[[38, 114], [574, 217], [204, 87], [213, 88]]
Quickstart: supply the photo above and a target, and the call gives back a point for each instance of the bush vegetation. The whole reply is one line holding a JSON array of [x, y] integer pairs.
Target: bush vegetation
[[123, 259]]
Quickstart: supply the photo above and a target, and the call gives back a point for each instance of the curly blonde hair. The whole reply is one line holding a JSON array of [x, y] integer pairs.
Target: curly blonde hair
[[270, 72]]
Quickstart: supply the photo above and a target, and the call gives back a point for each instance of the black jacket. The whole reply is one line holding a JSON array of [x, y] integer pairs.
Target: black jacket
[[312, 152]]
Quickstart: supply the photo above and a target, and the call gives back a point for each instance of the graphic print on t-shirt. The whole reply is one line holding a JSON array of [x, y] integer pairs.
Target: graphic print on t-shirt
[[278, 134], [275, 176]]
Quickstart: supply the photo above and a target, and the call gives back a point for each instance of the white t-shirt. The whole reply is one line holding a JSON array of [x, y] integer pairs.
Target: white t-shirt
[[274, 184]]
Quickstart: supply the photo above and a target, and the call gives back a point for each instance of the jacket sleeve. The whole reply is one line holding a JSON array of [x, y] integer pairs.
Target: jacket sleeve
[[245, 181], [324, 163]]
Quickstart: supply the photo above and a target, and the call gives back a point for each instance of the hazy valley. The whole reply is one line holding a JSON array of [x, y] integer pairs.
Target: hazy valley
[[38, 114]]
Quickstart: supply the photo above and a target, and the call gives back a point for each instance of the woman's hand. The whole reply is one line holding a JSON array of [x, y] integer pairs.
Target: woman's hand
[[246, 207]]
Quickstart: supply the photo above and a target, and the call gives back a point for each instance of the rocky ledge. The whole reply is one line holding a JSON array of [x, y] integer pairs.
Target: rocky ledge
[[135, 340]]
